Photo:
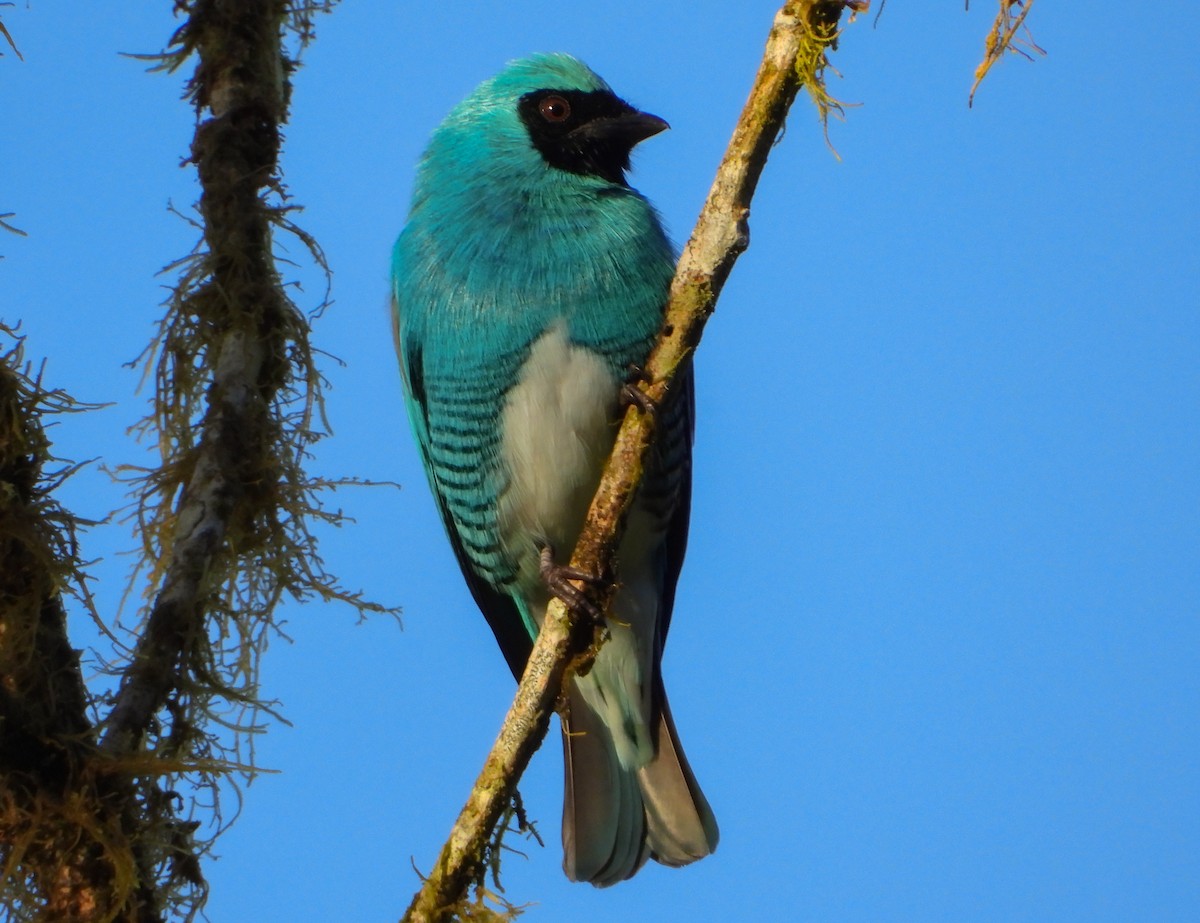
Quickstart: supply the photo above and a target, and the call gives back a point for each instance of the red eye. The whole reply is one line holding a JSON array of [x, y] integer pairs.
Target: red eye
[[554, 109]]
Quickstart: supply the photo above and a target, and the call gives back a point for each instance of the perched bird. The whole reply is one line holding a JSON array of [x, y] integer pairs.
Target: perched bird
[[529, 280]]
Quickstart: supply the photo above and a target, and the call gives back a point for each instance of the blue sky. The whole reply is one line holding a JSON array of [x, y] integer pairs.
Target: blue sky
[[936, 651]]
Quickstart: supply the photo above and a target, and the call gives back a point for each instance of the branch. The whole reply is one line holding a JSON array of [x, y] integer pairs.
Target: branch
[[225, 518], [235, 152], [97, 831], [802, 32]]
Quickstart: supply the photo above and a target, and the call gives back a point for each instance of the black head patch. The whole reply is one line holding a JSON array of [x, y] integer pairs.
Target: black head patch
[[590, 133]]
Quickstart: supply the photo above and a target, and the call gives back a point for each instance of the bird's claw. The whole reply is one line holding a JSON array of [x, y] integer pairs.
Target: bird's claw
[[632, 395], [558, 577]]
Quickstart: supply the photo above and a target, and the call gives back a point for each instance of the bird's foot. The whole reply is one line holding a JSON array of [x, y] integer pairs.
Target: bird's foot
[[558, 577], [634, 396]]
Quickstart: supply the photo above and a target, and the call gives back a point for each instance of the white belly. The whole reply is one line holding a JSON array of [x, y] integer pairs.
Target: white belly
[[557, 434], [557, 431]]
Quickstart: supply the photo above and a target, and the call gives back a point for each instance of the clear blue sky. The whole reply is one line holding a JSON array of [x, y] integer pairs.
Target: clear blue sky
[[936, 651]]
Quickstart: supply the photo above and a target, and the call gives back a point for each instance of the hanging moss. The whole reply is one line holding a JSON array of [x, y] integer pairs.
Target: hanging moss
[[111, 821], [226, 518], [65, 851]]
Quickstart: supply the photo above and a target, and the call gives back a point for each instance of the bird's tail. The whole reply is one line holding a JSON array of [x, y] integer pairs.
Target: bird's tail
[[614, 817]]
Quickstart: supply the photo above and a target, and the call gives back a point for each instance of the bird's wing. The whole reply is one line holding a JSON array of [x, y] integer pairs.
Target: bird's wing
[[667, 487], [458, 454]]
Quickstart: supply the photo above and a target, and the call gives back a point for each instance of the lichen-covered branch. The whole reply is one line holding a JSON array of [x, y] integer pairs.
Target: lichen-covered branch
[[802, 33], [95, 822], [232, 317], [225, 518]]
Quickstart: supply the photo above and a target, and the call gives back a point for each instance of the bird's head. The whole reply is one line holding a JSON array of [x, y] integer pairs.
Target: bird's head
[[543, 111]]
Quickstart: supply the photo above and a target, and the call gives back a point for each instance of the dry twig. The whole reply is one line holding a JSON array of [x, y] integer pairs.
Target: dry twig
[[1002, 37]]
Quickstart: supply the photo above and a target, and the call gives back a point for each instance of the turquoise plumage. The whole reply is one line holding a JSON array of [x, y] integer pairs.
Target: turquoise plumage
[[528, 282]]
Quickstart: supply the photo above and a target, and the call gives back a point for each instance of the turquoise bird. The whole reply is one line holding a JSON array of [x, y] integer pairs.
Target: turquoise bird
[[528, 281]]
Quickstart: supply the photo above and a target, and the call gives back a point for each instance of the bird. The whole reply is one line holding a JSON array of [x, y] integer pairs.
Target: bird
[[529, 284]]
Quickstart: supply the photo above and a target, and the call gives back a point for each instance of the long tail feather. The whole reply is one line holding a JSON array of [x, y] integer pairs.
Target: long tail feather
[[680, 826], [615, 818]]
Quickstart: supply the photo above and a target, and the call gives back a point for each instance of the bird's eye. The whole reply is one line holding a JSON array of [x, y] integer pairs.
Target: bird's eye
[[554, 109]]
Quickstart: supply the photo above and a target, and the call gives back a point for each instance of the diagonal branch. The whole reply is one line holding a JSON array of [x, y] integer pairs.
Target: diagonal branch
[[802, 32]]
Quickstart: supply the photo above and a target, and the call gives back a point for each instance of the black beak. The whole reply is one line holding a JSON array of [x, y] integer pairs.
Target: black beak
[[628, 128]]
